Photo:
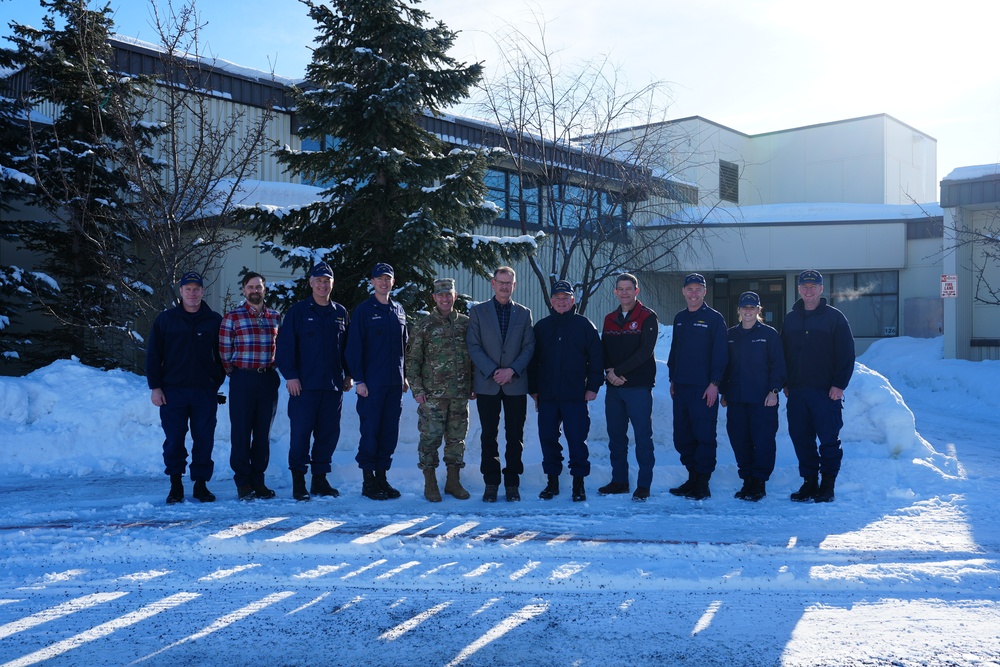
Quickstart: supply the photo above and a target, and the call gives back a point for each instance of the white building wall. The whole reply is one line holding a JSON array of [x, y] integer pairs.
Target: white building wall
[[871, 160], [843, 247]]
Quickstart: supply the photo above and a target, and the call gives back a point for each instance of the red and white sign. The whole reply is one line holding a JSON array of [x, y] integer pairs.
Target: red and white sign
[[949, 286]]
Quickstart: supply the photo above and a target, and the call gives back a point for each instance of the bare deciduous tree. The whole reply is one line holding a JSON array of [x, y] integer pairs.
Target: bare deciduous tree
[[588, 153], [205, 151]]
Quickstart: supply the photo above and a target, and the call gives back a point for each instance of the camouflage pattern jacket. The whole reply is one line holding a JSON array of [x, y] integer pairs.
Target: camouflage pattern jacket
[[437, 361]]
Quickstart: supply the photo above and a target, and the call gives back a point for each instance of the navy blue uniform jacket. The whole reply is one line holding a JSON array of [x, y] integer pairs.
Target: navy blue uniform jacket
[[310, 345], [819, 347], [568, 360], [698, 353], [183, 350], [376, 344], [756, 364]]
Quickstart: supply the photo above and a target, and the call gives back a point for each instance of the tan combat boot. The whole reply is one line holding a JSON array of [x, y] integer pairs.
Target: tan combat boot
[[452, 485], [431, 491]]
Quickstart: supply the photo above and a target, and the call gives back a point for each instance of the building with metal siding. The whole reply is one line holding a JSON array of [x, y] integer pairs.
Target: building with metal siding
[[970, 197], [886, 262]]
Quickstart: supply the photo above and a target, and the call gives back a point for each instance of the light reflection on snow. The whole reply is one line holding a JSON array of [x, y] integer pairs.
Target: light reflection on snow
[[355, 573], [387, 531], [403, 628], [103, 630], [225, 621], [482, 569], [144, 576], [309, 530], [706, 618], [246, 528], [317, 572], [568, 570], [315, 600], [520, 538], [222, 574], [525, 570], [458, 530], [486, 605], [519, 617], [402, 568], [60, 610]]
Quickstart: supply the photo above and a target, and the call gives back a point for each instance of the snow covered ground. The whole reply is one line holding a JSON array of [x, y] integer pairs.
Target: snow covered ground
[[902, 569]]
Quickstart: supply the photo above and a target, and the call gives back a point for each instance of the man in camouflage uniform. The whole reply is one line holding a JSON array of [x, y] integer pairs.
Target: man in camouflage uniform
[[439, 369]]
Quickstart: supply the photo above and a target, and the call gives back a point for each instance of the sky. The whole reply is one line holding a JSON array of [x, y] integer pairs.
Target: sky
[[903, 568], [752, 65]]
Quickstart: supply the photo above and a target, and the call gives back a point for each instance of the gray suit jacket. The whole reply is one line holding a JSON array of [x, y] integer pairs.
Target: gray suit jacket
[[489, 352]]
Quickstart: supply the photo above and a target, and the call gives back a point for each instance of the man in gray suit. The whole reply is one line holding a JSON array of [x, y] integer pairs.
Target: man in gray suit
[[501, 343]]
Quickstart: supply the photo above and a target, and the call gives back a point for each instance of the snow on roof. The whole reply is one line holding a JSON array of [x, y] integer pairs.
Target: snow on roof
[[973, 172], [217, 63], [273, 196], [805, 212]]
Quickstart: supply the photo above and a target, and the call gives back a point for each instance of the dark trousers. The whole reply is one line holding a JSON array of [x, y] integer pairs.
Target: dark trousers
[[314, 413], [379, 413], [695, 428], [574, 418], [751, 428], [198, 408], [811, 416], [253, 402], [515, 409], [621, 406]]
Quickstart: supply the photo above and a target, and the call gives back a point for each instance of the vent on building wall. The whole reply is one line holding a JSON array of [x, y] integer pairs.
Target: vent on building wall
[[729, 181]]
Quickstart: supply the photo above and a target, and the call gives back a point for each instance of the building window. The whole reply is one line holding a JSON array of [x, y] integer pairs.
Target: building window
[[729, 181], [870, 300], [517, 198], [928, 228]]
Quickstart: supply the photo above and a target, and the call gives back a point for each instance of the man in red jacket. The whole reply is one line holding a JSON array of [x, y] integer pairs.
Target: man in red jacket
[[629, 337]]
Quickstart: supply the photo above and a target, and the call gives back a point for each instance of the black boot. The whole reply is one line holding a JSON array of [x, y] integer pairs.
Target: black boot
[[202, 493], [640, 494], [611, 488], [684, 488], [747, 486], [807, 492], [299, 485], [321, 487], [757, 490], [552, 490], [261, 491], [176, 494], [579, 493], [383, 484], [825, 492], [490, 493], [699, 486], [370, 487]]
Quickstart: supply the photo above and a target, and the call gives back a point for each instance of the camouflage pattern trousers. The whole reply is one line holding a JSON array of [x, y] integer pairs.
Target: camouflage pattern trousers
[[446, 418]]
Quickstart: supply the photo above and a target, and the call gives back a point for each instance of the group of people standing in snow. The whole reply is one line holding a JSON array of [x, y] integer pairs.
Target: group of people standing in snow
[[497, 358]]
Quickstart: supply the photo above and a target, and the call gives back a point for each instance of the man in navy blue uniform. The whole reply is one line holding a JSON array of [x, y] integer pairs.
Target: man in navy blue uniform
[[819, 355], [376, 346], [749, 392], [566, 372], [629, 339], [184, 373], [697, 361], [310, 356]]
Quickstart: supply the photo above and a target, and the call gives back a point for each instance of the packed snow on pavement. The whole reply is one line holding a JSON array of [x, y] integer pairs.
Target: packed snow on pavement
[[901, 569]]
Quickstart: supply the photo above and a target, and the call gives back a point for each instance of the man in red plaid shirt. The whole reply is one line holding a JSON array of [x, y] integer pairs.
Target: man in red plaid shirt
[[247, 345]]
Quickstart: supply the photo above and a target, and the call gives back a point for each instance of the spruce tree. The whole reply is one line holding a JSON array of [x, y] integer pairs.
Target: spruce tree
[[16, 284], [82, 237], [394, 192]]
